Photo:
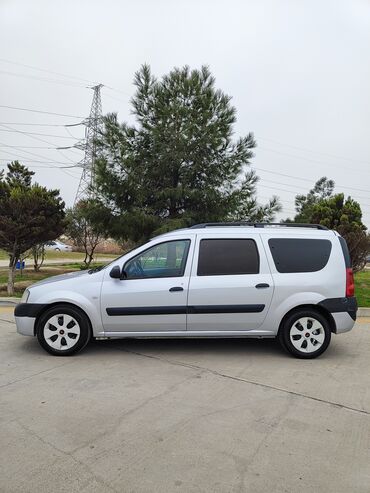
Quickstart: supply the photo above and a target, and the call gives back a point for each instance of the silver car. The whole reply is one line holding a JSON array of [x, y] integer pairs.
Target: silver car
[[210, 280]]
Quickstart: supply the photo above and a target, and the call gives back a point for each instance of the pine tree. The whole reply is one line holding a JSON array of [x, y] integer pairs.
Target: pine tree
[[179, 164]]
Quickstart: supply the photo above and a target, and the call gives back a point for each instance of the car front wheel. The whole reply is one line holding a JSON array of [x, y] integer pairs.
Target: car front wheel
[[305, 334], [63, 330]]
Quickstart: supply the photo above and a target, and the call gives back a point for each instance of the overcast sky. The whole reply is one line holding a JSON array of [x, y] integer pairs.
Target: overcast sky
[[298, 72]]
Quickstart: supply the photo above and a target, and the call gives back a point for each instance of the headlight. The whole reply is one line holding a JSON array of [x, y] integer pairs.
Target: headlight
[[25, 296]]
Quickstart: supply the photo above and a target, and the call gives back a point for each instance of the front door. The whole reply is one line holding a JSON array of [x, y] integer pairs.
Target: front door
[[152, 297], [231, 285]]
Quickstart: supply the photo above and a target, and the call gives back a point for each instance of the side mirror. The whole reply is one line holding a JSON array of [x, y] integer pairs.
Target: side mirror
[[115, 273]]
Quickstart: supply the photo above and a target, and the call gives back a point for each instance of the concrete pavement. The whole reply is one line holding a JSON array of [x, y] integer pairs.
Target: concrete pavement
[[184, 416]]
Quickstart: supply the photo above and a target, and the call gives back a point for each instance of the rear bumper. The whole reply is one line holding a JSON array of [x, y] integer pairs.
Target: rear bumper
[[337, 305], [343, 311], [343, 322]]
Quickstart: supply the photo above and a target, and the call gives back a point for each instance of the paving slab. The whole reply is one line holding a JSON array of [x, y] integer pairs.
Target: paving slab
[[184, 416]]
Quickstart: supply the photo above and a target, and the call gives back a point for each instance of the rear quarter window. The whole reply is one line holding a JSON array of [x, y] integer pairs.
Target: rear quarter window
[[346, 255], [299, 254]]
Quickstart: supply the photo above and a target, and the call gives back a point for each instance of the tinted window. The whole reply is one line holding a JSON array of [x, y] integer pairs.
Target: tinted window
[[163, 260], [347, 258], [299, 255], [227, 257]]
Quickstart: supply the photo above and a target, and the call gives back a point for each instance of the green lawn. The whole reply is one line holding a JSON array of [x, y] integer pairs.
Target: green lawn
[[29, 276], [362, 288], [52, 255]]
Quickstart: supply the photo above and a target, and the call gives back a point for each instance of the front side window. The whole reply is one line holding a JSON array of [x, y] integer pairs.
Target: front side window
[[223, 257], [163, 260]]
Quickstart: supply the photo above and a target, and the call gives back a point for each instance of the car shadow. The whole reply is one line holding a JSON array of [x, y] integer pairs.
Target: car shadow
[[174, 347], [189, 346]]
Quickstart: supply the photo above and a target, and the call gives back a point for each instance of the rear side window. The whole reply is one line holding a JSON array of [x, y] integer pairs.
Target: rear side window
[[299, 255], [347, 258], [225, 257]]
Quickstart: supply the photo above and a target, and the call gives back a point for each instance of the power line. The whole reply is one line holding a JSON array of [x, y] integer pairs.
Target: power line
[[313, 151], [295, 193], [301, 188], [45, 70], [37, 161], [311, 160], [38, 111], [42, 124], [46, 166], [305, 179], [28, 147], [43, 79], [41, 140], [37, 155], [33, 67], [36, 133]]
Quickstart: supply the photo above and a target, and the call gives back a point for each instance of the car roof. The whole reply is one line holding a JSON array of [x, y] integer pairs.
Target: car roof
[[250, 230]]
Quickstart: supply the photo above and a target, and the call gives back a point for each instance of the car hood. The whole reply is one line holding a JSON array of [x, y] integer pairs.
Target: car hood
[[61, 277]]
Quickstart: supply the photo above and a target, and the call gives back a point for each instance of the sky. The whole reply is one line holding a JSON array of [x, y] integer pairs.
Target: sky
[[298, 72]]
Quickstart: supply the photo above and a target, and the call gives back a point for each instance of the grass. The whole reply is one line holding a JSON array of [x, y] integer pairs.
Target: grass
[[52, 255], [29, 276], [362, 288]]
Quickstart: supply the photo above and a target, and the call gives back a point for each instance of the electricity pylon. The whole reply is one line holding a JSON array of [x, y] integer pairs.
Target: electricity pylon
[[86, 187]]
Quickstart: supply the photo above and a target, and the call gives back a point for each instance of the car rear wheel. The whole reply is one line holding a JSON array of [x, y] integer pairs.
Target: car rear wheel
[[63, 330], [305, 334]]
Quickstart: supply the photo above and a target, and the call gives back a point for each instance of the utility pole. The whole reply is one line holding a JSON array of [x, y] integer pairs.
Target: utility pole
[[86, 187]]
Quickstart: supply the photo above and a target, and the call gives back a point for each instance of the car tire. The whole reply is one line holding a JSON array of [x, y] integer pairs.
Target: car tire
[[305, 334], [57, 250], [63, 330]]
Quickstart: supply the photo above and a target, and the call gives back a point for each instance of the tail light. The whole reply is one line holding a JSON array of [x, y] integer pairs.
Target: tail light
[[350, 283]]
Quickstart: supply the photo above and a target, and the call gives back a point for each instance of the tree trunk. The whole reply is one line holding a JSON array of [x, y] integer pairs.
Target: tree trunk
[[11, 272]]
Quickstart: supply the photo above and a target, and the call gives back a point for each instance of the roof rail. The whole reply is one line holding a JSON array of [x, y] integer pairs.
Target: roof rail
[[258, 225]]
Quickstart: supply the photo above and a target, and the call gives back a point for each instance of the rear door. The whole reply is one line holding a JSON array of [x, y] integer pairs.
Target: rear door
[[231, 286]]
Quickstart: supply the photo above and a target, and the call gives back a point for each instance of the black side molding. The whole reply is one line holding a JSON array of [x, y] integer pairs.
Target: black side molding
[[29, 309], [225, 309], [335, 305], [146, 310], [171, 310]]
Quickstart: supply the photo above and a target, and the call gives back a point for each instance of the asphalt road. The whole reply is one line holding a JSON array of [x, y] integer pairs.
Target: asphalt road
[[184, 416]]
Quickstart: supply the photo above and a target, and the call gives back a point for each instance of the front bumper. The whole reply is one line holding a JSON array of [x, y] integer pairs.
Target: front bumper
[[25, 325], [25, 317]]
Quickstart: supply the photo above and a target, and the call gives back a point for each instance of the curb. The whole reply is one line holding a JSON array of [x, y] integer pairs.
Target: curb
[[361, 312], [9, 301]]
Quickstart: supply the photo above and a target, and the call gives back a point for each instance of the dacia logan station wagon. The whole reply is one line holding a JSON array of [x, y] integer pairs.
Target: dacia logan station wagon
[[210, 280]]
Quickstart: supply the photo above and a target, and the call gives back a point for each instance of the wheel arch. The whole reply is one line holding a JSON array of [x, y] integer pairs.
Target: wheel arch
[[64, 303], [319, 309]]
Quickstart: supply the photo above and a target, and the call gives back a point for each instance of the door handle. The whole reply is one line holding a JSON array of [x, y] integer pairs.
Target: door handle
[[262, 285], [176, 288]]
